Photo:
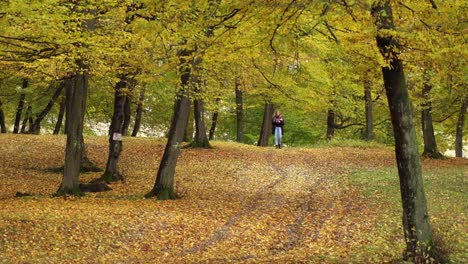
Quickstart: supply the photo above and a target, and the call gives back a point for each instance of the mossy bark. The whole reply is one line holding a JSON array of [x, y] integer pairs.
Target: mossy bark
[[112, 174], [417, 228], [78, 87]]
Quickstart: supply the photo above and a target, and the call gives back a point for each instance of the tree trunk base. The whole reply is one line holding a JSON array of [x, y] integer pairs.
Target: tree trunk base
[[434, 256], [109, 177], [162, 194], [68, 192], [433, 155]]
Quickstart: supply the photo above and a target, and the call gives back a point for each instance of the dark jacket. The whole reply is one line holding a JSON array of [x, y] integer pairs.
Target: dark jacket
[[277, 122]]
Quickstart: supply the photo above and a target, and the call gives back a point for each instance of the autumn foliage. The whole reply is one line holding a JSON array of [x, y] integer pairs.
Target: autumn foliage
[[237, 203]]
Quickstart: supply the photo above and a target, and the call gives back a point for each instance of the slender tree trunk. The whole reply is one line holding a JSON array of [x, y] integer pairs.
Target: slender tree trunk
[[30, 120], [19, 110], [266, 125], [239, 114], [201, 139], [430, 144], [369, 129], [127, 114], [112, 174], [214, 122], [330, 124], [60, 116], [36, 124], [460, 124], [2, 119], [78, 87], [163, 188], [417, 227], [139, 112], [25, 119]]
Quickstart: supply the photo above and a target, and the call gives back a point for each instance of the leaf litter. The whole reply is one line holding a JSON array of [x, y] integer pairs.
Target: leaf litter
[[238, 203]]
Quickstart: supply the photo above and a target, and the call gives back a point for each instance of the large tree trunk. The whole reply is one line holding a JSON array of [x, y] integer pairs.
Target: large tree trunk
[[19, 110], [239, 114], [201, 139], [369, 129], [139, 112], [330, 124], [266, 125], [78, 88], [417, 228], [2, 119], [460, 124], [430, 144], [112, 174], [35, 128], [163, 188], [58, 125]]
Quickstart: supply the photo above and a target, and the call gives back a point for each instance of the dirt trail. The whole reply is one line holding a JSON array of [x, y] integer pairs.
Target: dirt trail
[[303, 196]]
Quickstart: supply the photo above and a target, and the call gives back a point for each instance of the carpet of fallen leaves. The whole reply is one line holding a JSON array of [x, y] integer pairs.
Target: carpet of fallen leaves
[[237, 203]]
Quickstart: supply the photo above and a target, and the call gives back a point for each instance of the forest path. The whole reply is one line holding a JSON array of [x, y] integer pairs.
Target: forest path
[[238, 203], [300, 203]]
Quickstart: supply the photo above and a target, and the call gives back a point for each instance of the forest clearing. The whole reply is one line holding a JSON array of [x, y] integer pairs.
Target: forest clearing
[[237, 203]]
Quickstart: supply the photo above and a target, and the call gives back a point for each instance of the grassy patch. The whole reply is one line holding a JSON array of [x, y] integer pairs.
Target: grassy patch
[[447, 195], [355, 143]]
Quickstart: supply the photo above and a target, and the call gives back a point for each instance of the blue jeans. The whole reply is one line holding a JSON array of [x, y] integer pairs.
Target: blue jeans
[[278, 131]]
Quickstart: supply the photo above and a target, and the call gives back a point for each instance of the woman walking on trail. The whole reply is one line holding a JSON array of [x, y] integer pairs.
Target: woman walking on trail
[[278, 123]]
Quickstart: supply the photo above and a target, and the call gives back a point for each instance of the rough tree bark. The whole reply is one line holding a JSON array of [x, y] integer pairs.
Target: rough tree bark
[[163, 188], [369, 129], [2, 119], [266, 125], [417, 227], [139, 112], [239, 113], [58, 125], [77, 88], [35, 128], [459, 133], [112, 174], [330, 124], [19, 110]]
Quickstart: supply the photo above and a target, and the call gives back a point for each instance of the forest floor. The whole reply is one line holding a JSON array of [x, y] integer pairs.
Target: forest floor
[[238, 204]]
